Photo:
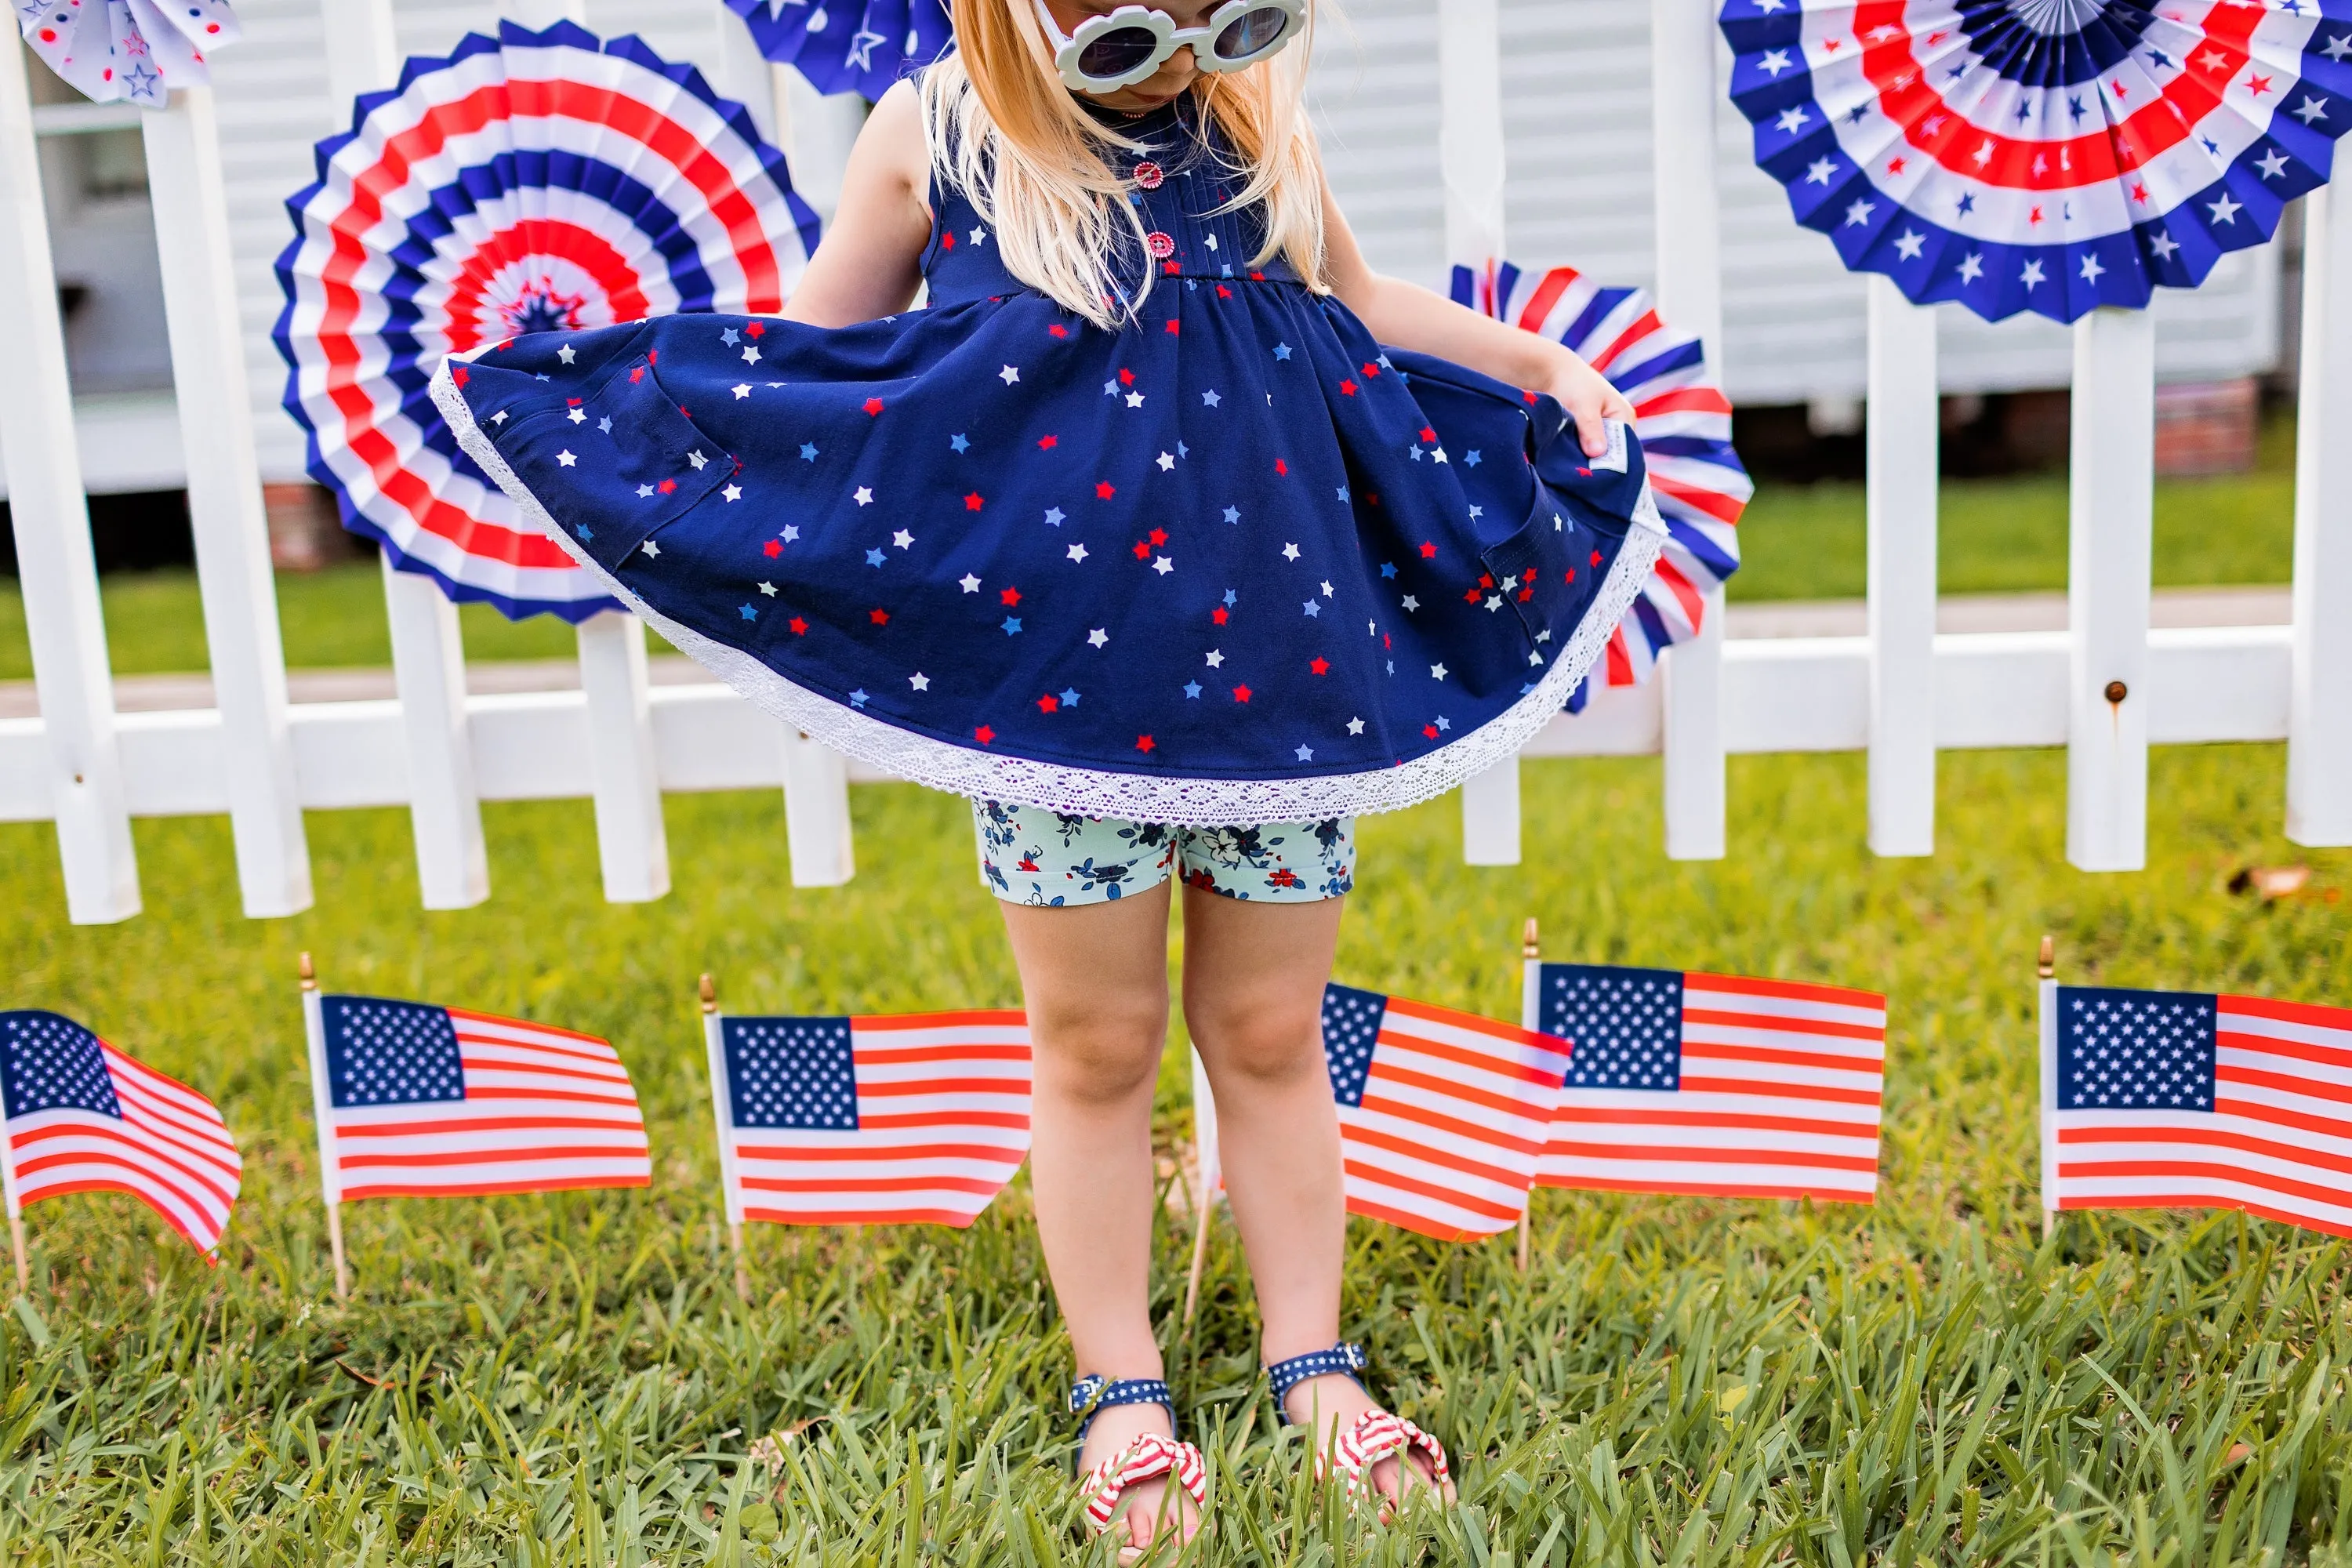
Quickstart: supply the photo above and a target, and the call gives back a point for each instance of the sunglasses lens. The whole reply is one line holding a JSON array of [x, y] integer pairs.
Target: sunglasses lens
[[1117, 52], [1252, 32]]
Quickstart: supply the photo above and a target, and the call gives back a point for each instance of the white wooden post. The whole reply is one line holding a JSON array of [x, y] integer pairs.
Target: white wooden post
[[2319, 707], [629, 833], [1683, 47], [1902, 508], [2108, 572], [816, 813], [540, 14], [428, 660], [224, 511], [51, 522], [1470, 161]]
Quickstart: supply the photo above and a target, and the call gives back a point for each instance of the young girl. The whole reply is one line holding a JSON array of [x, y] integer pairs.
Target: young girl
[[1138, 536]]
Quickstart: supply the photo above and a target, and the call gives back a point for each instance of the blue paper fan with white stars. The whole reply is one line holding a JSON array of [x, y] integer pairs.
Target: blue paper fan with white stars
[[2042, 155], [849, 45]]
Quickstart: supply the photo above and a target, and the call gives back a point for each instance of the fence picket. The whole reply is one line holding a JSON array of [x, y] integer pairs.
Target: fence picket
[[2319, 708], [816, 811], [54, 559], [224, 511], [445, 802], [2108, 582], [1901, 573], [1683, 69], [630, 837]]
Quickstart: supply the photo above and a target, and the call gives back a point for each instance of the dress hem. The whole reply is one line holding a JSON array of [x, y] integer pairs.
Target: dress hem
[[1191, 801]]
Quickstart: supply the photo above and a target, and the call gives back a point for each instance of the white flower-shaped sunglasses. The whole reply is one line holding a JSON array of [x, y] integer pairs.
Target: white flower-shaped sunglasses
[[1129, 45]]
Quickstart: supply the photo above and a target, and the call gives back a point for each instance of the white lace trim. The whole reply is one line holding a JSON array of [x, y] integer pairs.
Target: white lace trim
[[1091, 791]]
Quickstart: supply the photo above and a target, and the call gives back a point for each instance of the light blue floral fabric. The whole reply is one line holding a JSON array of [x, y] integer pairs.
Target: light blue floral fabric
[[1052, 859]]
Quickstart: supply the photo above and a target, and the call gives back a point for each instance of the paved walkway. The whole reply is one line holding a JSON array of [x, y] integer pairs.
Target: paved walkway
[[1805, 619]]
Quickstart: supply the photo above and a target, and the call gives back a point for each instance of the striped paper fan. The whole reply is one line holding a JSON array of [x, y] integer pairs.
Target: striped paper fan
[[527, 182], [1683, 422], [134, 51], [848, 46]]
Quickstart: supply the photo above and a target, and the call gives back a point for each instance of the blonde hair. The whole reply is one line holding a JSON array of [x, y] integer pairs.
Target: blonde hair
[[1006, 132]]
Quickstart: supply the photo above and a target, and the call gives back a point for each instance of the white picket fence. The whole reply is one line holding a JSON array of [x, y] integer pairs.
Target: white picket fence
[[2106, 688]]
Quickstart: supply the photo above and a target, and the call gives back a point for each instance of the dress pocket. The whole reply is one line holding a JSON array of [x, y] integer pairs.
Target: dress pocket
[[614, 467]]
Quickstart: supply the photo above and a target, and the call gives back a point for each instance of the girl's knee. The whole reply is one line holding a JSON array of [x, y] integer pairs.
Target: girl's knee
[[1101, 1054], [1266, 1040]]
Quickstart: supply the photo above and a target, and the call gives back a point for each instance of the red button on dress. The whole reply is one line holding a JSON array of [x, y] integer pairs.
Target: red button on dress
[[1160, 244], [1147, 174]]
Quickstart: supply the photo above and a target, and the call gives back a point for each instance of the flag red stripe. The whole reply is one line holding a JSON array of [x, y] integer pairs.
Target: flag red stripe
[[952, 1219], [1788, 990], [537, 1057], [610, 1074], [428, 1159], [2279, 1115], [205, 1140], [898, 1120], [1476, 1022], [913, 1087], [2307, 1088], [357, 1130], [1871, 1097], [2293, 1050], [1388, 1073], [1421, 1189], [1783, 1025], [1361, 1137], [954, 1051], [2311, 1012], [152, 1188], [2213, 1138], [556, 1096], [973, 1184], [1438, 1121], [490, 1189], [2284, 1187], [1597, 1116], [1711, 1189], [1484, 1061], [2207, 1201], [457, 1013], [995, 1152], [1406, 1219], [32, 1136], [1770, 1056], [986, 1018], [1700, 1154], [98, 1185]]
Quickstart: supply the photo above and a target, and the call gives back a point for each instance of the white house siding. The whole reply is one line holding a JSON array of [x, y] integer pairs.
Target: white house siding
[[1576, 82]]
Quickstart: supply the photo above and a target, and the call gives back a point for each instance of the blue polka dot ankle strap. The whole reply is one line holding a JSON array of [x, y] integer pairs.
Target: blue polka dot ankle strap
[[1343, 1358], [1094, 1393]]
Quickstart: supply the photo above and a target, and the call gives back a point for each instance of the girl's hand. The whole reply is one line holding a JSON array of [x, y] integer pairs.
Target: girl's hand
[[1586, 394]]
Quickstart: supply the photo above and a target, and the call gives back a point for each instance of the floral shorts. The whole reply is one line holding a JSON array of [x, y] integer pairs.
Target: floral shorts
[[1031, 856]]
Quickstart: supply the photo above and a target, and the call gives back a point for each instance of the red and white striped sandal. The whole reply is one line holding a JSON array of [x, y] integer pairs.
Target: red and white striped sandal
[[1147, 1459], [1374, 1435]]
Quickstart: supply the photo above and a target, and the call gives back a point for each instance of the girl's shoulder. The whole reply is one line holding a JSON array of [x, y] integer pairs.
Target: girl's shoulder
[[896, 141]]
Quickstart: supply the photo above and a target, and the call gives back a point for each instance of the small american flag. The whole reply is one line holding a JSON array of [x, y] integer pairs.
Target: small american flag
[[916, 1119], [415, 1101], [1712, 1085], [2185, 1099], [1442, 1114], [84, 1118]]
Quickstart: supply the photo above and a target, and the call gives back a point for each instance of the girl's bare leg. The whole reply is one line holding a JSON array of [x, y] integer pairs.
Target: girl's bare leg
[[1096, 978], [1254, 978]]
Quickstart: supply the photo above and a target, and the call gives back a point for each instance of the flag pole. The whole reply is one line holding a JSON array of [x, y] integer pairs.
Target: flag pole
[[1531, 952], [723, 1107], [17, 1242], [16, 1210], [314, 1026], [2046, 969], [1206, 1179]]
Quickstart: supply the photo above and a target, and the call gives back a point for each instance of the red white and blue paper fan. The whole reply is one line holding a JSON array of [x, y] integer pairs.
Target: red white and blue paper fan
[[527, 182], [1683, 422], [848, 46], [2044, 155], [135, 51]]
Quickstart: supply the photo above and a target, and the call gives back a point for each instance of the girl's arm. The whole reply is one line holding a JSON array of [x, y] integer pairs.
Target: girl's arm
[[1413, 318], [870, 262]]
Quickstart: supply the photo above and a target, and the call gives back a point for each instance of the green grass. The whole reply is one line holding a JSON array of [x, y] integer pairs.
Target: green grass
[[2009, 535], [1801, 542], [572, 1381]]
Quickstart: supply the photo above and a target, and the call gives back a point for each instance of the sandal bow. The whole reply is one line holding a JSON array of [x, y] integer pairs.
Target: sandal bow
[[1374, 1435], [1147, 1459]]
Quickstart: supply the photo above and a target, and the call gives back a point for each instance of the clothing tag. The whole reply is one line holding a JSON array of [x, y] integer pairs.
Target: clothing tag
[[1614, 460]]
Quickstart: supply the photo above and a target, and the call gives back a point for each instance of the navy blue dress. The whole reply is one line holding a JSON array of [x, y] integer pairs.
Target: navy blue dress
[[1232, 564]]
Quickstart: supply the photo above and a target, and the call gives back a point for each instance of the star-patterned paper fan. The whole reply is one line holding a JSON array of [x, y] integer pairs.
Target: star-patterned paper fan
[[135, 51], [2044, 155], [848, 46], [1683, 422], [533, 182]]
